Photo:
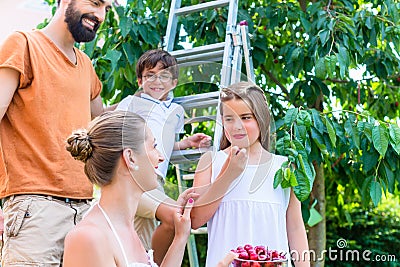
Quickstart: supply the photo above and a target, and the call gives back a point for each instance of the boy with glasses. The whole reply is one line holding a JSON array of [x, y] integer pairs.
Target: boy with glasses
[[157, 74]]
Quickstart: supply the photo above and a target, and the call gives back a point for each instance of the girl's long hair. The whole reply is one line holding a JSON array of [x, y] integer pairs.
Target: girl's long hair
[[255, 98]]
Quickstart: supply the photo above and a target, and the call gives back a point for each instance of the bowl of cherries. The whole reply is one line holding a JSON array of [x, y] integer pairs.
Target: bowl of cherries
[[259, 256]]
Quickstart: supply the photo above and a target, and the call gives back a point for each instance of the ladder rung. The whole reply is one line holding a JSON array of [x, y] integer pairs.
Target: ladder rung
[[202, 104], [199, 50], [210, 57], [200, 7], [196, 98], [200, 119], [188, 177], [201, 230], [188, 155]]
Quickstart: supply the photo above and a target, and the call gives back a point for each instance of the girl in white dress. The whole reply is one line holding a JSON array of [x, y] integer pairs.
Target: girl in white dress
[[120, 156], [237, 199]]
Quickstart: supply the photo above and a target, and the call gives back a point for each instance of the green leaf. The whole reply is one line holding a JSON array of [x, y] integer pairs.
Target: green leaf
[[330, 63], [300, 132], [305, 23], [343, 59], [143, 30], [113, 56], [375, 191], [292, 179], [291, 116], [318, 124], [305, 166], [322, 86], [295, 54], [394, 132], [125, 25], [324, 37], [369, 159], [278, 178], [315, 217], [352, 132], [389, 174], [320, 69], [303, 189], [304, 118], [331, 131], [318, 139], [380, 139]]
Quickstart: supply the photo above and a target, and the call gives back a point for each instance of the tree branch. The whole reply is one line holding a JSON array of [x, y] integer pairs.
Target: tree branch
[[337, 81], [276, 81], [337, 161], [303, 5]]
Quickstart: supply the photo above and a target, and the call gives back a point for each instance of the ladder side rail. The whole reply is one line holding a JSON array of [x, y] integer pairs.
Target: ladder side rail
[[247, 51], [169, 38], [228, 50], [237, 57]]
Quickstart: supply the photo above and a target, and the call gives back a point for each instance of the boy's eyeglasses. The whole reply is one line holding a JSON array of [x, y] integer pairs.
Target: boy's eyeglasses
[[153, 78]]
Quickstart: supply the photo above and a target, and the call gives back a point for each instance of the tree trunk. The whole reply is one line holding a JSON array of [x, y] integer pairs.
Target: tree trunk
[[317, 233]]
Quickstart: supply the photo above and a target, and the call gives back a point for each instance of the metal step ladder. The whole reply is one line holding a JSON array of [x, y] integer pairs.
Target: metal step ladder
[[230, 53]]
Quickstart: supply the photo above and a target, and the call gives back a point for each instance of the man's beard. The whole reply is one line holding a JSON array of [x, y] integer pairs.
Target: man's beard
[[74, 18]]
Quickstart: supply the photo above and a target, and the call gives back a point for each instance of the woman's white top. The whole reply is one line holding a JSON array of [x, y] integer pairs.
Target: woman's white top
[[251, 212], [127, 264]]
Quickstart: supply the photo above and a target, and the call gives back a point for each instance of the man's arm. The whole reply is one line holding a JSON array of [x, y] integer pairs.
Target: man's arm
[[9, 80], [97, 108]]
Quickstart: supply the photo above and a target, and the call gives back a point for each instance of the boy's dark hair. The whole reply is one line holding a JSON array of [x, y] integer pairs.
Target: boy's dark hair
[[150, 59]]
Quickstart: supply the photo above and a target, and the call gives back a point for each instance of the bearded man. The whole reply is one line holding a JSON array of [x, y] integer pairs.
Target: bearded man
[[48, 87]]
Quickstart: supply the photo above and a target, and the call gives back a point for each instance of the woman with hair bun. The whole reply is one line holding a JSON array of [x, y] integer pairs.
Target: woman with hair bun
[[120, 156]]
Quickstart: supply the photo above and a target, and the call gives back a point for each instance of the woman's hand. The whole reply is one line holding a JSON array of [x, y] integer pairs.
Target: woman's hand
[[184, 197], [227, 260], [182, 220]]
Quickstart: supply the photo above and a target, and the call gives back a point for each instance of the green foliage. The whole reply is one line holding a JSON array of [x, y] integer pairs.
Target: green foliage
[[375, 229], [358, 140], [303, 59]]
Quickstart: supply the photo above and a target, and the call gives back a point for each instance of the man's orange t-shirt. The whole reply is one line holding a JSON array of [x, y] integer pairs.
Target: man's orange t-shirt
[[52, 100]]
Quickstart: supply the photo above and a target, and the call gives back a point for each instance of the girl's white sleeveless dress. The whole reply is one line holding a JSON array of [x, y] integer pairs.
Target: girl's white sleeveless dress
[[252, 211]]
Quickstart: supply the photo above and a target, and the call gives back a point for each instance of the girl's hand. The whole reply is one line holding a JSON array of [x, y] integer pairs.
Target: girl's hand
[[182, 220], [236, 162]]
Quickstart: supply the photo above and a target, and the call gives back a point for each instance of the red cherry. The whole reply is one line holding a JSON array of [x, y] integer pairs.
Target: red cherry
[[252, 250], [276, 61], [255, 264], [248, 247], [253, 256], [260, 249], [246, 264], [244, 255], [398, 79], [396, 104]]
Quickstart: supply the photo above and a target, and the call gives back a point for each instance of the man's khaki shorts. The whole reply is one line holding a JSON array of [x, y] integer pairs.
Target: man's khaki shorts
[[35, 229], [145, 219]]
